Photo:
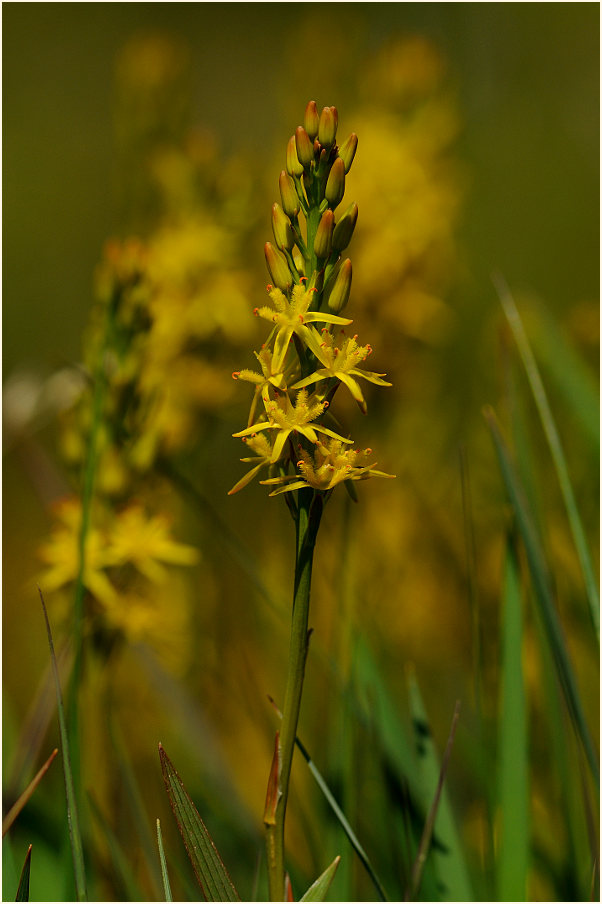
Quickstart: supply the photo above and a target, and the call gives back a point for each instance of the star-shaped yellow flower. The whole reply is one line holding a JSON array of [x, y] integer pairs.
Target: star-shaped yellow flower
[[330, 464], [145, 542], [342, 363], [286, 418], [261, 445], [291, 317], [268, 376]]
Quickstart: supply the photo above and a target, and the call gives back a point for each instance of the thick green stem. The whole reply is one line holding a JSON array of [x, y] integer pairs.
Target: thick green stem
[[308, 522]]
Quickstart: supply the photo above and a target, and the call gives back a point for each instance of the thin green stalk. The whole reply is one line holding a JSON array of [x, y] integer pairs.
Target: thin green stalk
[[89, 475], [308, 521], [549, 426]]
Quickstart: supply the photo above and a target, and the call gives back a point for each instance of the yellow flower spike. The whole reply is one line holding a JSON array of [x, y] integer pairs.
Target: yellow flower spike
[[328, 465], [342, 363], [286, 418], [291, 317]]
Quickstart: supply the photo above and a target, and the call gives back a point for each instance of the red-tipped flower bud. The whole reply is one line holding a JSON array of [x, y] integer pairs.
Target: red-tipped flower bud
[[347, 151], [305, 147], [339, 295], [343, 231], [323, 239], [312, 119], [327, 129], [335, 186], [288, 194], [278, 267], [281, 227], [293, 167]]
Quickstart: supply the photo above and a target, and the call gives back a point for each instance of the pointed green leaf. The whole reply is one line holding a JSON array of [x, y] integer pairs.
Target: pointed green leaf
[[207, 864], [23, 890], [543, 592], [77, 852], [164, 873], [319, 889], [513, 800], [447, 855]]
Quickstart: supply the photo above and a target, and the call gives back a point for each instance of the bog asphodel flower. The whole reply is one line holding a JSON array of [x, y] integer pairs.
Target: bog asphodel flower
[[311, 285]]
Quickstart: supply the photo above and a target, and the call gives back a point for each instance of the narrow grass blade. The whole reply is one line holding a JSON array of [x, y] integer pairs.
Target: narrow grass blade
[[549, 427], [447, 856], [513, 800], [23, 889], [208, 866], [319, 889], [122, 871], [343, 821], [20, 803], [77, 851], [133, 798], [164, 873], [543, 592]]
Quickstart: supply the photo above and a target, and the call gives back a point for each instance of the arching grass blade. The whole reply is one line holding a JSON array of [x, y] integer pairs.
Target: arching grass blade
[[543, 592], [553, 438]]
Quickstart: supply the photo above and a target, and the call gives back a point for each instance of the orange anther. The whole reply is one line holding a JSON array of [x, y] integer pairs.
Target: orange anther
[[326, 403], [269, 287], [313, 289], [303, 279], [236, 375], [256, 311]]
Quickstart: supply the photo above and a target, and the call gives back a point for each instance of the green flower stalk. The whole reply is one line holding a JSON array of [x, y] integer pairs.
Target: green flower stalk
[[305, 359]]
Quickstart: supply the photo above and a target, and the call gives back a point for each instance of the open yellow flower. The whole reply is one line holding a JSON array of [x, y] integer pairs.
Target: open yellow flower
[[60, 554], [291, 317], [286, 418], [342, 363], [269, 375], [261, 445], [331, 464], [144, 541]]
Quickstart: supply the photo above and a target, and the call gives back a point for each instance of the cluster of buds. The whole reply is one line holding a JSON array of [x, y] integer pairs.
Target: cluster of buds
[[311, 284]]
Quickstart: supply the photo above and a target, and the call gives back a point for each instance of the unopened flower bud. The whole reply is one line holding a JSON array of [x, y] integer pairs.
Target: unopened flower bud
[[327, 128], [293, 167], [312, 119], [288, 194], [281, 227], [305, 147], [347, 151], [323, 239], [278, 267], [335, 186], [343, 231], [339, 295]]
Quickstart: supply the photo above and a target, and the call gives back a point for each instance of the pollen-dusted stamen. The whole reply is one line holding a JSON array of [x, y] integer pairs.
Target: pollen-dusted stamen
[[256, 311], [235, 375]]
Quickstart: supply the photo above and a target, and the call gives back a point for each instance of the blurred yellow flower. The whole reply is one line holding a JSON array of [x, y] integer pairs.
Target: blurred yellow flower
[[144, 541]]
